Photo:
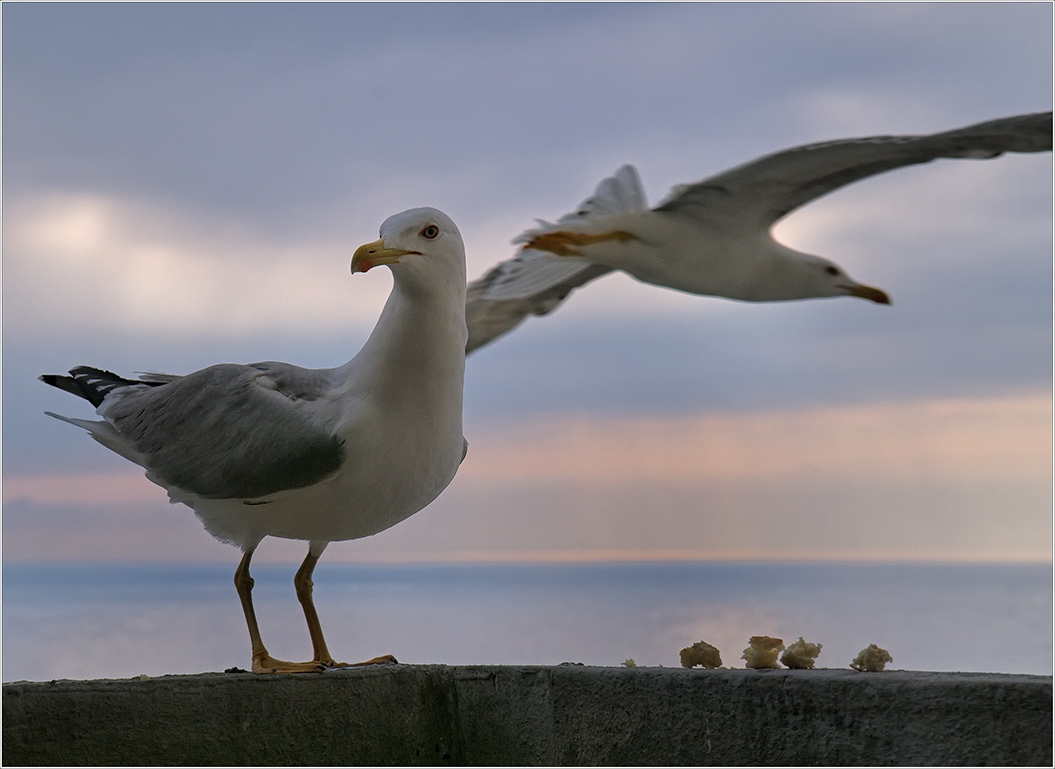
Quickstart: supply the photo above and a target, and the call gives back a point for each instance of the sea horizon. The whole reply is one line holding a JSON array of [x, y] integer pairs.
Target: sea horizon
[[115, 620]]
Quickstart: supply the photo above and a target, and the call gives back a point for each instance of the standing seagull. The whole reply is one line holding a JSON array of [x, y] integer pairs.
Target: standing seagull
[[714, 237], [270, 449]]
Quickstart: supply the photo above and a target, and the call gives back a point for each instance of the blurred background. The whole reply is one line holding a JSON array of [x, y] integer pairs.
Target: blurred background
[[184, 184]]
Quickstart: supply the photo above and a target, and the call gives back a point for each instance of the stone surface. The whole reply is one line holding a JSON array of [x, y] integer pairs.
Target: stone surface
[[565, 715]]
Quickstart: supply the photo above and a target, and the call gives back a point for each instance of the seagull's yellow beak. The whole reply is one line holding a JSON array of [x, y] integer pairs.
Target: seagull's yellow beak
[[867, 292], [370, 255]]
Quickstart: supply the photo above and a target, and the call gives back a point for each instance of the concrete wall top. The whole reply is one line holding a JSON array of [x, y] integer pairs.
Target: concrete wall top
[[508, 715]]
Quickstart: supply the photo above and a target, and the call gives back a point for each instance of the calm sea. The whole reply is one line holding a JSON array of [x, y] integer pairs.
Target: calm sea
[[95, 621]]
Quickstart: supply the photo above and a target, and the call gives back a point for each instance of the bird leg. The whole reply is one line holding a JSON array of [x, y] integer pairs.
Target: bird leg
[[563, 242], [262, 661], [303, 584]]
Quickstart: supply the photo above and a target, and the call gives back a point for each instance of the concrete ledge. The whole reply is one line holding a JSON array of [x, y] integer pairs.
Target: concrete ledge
[[565, 715]]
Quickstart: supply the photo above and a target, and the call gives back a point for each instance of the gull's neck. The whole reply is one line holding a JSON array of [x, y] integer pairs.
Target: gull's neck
[[418, 343]]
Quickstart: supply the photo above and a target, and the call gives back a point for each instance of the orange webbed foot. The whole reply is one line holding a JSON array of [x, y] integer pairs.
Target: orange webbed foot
[[266, 664], [385, 659], [563, 243]]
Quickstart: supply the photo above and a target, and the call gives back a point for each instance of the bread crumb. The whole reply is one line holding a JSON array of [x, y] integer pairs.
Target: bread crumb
[[629, 663], [801, 655], [763, 651], [701, 653], [871, 660]]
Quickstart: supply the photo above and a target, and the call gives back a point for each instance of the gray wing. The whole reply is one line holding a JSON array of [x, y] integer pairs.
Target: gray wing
[[534, 282], [230, 431], [770, 187], [488, 319]]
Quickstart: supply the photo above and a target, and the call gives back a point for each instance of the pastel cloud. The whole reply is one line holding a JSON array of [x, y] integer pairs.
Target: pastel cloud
[[179, 193], [937, 479], [955, 440], [98, 262]]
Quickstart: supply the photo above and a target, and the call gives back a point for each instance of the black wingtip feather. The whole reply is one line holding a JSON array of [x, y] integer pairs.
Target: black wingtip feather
[[97, 383], [62, 382], [92, 384]]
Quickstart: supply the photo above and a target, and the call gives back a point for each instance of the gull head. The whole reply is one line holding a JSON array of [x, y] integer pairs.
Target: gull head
[[845, 286], [814, 277], [422, 241]]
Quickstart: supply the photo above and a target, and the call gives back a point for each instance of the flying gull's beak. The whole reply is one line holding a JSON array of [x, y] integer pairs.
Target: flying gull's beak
[[370, 255], [867, 292]]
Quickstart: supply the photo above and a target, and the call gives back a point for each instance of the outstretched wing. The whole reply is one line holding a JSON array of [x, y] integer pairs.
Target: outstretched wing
[[535, 282], [766, 189], [488, 319]]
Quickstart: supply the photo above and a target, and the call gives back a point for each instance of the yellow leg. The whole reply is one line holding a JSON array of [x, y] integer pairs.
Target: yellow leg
[[262, 661], [563, 242], [303, 584]]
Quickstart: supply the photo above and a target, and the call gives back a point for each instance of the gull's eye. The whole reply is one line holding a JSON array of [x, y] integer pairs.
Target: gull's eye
[[430, 232], [831, 270]]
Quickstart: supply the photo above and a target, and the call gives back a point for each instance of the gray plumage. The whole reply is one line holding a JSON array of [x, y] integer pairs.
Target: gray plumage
[[226, 431]]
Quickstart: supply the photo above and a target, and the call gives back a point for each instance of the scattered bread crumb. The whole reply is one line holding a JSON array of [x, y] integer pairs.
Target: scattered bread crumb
[[701, 653], [763, 651], [801, 655], [629, 663], [871, 660]]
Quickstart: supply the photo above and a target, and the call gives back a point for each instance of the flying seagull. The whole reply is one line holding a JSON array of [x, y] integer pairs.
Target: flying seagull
[[271, 449], [714, 237]]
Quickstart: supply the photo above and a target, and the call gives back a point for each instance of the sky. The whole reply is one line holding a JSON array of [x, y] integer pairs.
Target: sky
[[184, 184]]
